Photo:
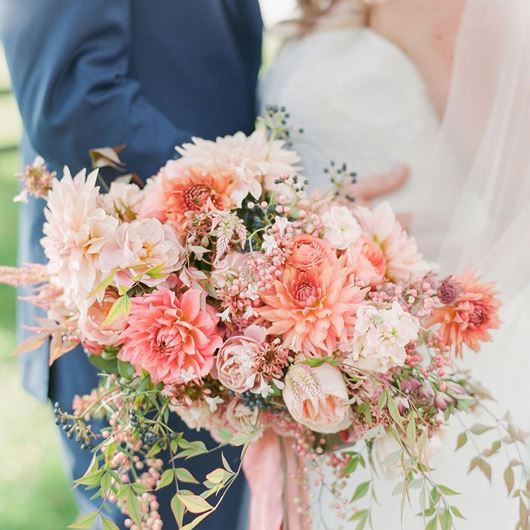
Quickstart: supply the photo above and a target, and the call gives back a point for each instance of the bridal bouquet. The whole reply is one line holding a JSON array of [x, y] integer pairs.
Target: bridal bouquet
[[307, 330]]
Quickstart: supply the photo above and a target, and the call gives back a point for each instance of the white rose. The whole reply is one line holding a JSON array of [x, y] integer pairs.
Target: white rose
[[340, 227]]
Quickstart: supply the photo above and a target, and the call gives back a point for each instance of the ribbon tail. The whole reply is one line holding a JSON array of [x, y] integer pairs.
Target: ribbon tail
[[278, 497], [263, 468]]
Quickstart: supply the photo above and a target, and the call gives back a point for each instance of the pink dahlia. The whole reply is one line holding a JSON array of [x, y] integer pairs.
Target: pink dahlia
[[313, 309], [468, 319], [173, 338]]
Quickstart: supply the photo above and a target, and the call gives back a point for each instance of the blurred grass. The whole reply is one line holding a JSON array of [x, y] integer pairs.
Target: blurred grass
[[34, 492]]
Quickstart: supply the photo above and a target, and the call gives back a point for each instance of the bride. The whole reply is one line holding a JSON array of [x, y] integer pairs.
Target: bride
[[439, 87]]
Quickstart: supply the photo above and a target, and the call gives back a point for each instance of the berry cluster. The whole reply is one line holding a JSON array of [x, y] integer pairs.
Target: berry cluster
[[75, 428]]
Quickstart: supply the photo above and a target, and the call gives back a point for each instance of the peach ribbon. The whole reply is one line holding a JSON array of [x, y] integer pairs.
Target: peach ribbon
[[271, 467]]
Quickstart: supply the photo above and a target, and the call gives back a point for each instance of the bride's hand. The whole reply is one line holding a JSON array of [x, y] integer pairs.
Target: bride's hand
[[366, 189], [370, 188]]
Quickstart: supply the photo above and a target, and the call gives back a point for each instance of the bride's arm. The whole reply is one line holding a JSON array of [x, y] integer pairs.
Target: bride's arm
[[426, 30]]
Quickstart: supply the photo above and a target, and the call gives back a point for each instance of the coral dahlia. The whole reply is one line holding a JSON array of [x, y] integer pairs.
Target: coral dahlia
[[468, 319], [313, 310], [173, 338]]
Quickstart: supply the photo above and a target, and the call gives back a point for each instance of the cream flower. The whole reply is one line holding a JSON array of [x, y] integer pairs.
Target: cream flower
[[75, 232], [123, 201], [143, 251], [317, 397], [381, 336], [340, 227]]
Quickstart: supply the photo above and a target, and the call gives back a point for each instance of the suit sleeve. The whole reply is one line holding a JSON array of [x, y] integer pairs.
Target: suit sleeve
[[69, 67]]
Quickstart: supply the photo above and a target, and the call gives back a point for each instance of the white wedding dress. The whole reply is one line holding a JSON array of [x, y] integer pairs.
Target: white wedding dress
[[361, 101]]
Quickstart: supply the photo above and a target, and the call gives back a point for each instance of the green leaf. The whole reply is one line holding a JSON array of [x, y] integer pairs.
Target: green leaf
[[432, 524], [479, 429], [108, 524], [225, 435], [184, 475], [178, 509], [446, 520], [456, 512], [120, 308], [394, 412], [351, 466], [435, 496], [194, 503], [358, 515], [362, 521], [166, 479], [125, 369], [91, 480], [195, 521], [411, 432], [474, 463], [106, 365], [447, 491], [485, 468], [105, 485], [133, 507], [104, 284], [192, 448], [86, 522], [157, 272], [382, 400], [314, 362], [361, 491], [509, 479], [242, 438], [461, 440], [217, 475], [226, 465]]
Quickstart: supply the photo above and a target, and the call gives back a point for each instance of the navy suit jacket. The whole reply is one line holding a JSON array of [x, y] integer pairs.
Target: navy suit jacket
[[148, 74]]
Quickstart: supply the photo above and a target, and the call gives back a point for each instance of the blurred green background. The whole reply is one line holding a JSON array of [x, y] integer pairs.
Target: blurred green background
[[34, 492]]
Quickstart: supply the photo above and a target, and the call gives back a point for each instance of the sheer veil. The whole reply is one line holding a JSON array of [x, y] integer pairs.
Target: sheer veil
[[478, 210]]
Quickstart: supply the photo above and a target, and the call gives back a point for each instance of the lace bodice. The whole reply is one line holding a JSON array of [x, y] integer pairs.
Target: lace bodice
[[359, 99]]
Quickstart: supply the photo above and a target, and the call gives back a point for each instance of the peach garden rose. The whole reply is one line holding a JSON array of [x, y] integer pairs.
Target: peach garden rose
[[91, 321], [236, 360], [308, 252], [318, 397]]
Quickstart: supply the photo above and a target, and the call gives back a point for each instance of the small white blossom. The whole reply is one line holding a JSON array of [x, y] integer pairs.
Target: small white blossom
[[269, 244], [282, 223], [340, 227], [381, 336], [249, 312], [188, 375], [225, 315], [213, 402]]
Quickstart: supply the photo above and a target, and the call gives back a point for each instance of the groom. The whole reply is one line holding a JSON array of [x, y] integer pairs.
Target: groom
[[95, 73]]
